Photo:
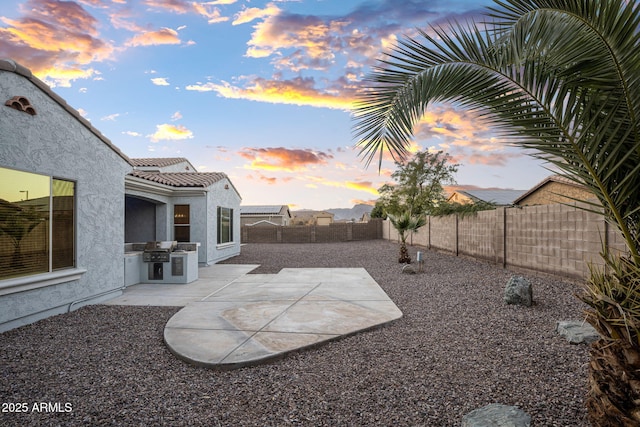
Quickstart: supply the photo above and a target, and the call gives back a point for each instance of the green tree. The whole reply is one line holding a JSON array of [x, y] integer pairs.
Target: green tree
[[378, 210], [404, 224], [561, 78], [418, 184], [462, 209]]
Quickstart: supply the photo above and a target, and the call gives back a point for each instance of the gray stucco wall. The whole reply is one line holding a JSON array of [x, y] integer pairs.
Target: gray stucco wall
[[197, 221], [178, 167], [203, 217], [55, 143], [140, 220], [228, 198]]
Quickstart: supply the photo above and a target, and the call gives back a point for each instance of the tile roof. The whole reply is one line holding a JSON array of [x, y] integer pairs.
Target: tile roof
[[261, 209], [181, 179], [12, 66], [158, 161]]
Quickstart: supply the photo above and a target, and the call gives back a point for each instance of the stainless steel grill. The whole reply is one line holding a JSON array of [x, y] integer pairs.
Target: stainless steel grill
[[158, 251]]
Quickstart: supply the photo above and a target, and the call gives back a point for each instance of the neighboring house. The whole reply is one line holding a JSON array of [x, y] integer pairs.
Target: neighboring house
[[61, 204], [264, 223], [265, 215], [554, 189], [310, 217], [498, 197], [167, 199]]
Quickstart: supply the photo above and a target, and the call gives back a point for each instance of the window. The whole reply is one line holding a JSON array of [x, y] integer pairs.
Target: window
[[37, 223], [225, 225], [181, 227], [63, 228]]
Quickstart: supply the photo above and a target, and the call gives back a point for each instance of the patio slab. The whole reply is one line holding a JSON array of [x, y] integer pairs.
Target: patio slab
[[211, 279], [232, 319]]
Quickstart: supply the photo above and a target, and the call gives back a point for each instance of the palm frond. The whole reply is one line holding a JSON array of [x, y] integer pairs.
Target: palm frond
[[558, 77]]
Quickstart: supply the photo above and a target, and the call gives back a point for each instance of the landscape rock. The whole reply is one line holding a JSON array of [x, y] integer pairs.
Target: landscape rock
[[577, 332], [518, 291], [430, 369], [497, 415]]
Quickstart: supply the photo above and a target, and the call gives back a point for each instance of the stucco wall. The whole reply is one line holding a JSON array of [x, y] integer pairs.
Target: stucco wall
[[203, 217], [556, 192], [163, 209], [197, 221], [140, 220], [222, 194], [55, 143], [178, 167]]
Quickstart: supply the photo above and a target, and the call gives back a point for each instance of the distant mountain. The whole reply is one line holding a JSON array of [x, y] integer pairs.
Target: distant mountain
[[355, 212]]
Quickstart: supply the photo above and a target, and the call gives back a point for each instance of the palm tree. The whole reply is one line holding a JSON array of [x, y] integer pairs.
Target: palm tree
[[405, 223], [561, 78]]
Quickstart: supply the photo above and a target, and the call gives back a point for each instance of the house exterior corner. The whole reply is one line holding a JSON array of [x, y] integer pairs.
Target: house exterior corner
[[49, 159]]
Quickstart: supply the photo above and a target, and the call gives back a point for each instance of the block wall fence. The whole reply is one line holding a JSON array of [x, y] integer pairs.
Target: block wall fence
[[338, 232], [553, 239]]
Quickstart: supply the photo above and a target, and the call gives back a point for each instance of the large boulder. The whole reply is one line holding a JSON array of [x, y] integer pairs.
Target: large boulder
[[518, 291], [497, 415]]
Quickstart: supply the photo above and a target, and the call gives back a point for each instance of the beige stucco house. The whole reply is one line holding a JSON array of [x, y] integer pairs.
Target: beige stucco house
[[554, 189], [310, 217]]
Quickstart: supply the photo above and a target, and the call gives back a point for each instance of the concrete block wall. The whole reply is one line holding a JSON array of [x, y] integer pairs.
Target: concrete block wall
[[331, 233], [554, 239], [481, 235], [388, 232], [442, 233], [297, 234], [340, 232]]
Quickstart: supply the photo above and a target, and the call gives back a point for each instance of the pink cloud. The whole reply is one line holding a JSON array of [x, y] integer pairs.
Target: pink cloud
[[283, 159], [56, 40], [296, 91], [204, 9], [151, 38], [248, 14]]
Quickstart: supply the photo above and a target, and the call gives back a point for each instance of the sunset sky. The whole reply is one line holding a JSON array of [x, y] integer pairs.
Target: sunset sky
[[260, 90]]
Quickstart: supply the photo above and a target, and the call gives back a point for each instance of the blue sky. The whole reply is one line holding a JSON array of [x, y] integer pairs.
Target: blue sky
[[260, 90]]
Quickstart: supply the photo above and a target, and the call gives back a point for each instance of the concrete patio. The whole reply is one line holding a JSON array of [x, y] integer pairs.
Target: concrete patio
[[232, 319]]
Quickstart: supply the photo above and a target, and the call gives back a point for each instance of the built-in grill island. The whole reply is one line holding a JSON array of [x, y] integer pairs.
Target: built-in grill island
[[161, 262], [158, 251]]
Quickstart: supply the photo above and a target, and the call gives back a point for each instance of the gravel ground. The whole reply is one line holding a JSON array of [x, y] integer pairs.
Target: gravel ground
[[457, 348]]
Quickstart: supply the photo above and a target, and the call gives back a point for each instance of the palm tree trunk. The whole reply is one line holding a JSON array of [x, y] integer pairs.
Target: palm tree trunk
[[404, 254], [614, 384], [614, 370]]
